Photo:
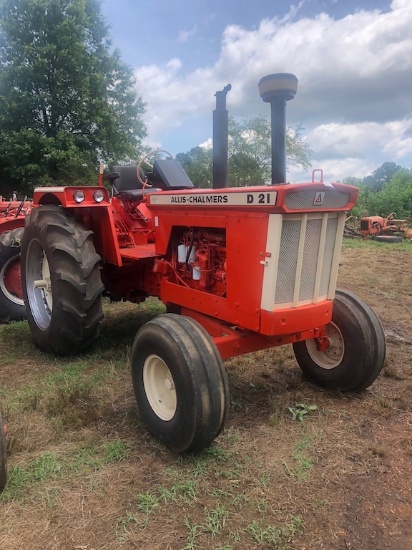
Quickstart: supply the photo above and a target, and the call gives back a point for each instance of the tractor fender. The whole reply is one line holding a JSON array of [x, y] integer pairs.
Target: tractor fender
[[95, 215]]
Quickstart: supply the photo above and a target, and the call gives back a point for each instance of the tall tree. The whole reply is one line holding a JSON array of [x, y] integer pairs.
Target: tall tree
[[250, 150], [381, 176], [67, 100], [394, 194], [249, 154], [198, 165]]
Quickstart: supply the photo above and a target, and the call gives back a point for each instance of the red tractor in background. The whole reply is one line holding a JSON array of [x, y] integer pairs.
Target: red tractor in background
[[239, 270], [12, 215]]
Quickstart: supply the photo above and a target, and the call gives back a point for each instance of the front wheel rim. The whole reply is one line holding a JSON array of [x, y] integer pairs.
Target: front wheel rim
[[159, 387], [333, 355]]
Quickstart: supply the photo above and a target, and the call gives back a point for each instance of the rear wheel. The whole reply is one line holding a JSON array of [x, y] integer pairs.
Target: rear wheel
[[179, 381], [357, 347], [3, 457], [61, 281], [11, 294]]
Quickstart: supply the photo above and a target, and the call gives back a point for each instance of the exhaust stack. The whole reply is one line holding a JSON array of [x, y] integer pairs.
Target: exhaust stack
[[220, 139], [276, 89]]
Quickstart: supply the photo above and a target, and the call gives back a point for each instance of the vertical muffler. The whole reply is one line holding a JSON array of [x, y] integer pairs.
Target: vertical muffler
[[220, 139]]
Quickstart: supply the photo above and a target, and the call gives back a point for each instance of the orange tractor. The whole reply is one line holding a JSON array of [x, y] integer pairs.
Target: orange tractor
[[239, 270], [383, 229], [12, 215]]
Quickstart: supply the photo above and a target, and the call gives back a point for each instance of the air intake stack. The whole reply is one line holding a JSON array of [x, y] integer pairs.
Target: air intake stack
[[220, 139], [276, 89]]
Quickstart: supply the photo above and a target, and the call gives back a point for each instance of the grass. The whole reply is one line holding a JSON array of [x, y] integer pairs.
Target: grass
[[85, 472], [370, 244], [275, 536], [50, 466]]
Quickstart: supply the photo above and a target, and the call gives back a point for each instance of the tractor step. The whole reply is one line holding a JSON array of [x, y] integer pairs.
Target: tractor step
[[138, 252]]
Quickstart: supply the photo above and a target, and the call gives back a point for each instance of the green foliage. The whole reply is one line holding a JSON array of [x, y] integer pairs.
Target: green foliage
[[370, 244], [45, 466], [67, 100], [198, 165], [300, 410], [395, 195], [275, 537], [116, 451], [303, 463], [215, 519], [250, 155], [381, 176], [250, 151]]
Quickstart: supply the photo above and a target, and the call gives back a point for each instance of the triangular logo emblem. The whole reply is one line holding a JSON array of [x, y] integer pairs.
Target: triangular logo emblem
[[319, 197]]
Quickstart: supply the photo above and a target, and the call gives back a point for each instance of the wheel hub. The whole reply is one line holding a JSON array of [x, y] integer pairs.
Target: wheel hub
[[328, 357], [159, 387]]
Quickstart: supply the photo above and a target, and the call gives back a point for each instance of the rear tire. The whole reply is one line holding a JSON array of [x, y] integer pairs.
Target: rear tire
[[357, 347], [3, 457], [179, 381], [11, 296], [61, 282]]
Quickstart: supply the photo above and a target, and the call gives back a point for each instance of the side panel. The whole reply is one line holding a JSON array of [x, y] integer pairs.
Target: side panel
[[245, 250]]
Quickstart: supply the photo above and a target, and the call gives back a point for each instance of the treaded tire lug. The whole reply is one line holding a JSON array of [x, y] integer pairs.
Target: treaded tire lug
[[65, 316]]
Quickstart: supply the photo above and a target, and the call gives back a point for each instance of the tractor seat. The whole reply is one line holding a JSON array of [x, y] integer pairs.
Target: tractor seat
[[125, 184]]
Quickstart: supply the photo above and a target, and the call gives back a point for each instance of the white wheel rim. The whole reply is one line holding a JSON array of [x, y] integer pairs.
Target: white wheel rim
[[331, 357], [159, 387], [38, 285], [45, 283]]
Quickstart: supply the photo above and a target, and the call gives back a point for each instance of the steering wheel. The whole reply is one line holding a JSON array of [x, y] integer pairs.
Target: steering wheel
[[144, 182]]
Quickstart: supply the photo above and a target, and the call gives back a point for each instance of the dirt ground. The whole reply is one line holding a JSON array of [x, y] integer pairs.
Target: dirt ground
[[84, 474]]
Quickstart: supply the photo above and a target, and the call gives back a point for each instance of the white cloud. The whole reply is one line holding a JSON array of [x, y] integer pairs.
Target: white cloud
[[208, 144], [185, 35], [333, 169], [365, 137], [355, 78]]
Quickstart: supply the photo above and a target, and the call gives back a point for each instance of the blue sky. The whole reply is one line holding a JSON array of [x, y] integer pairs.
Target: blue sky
[[353, 61]]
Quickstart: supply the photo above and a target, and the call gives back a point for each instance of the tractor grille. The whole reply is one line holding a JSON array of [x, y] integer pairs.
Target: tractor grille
[[304, 256], [302, 200]]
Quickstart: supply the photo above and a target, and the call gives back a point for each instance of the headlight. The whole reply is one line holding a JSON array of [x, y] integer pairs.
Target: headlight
[[98, 196], [78, 196]]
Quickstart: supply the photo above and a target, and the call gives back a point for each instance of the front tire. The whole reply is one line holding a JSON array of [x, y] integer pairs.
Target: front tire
[[357, 348], [3, 457], [179, 381], [61, 281], [11, 295]]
